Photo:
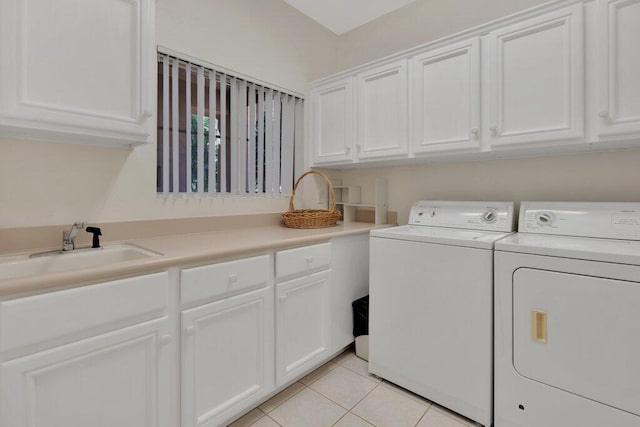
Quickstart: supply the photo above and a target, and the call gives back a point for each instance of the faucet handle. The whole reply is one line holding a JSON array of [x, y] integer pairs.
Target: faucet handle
[[96, 236]]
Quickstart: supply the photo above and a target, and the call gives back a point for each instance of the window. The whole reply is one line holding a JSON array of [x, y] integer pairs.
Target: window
[[219, 134]]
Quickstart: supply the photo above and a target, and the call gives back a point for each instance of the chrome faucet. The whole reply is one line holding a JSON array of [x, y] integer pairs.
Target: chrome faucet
[[69, 237]]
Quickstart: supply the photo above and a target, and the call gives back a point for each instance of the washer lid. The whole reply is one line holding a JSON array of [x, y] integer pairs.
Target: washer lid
[[605, 250], [446, 236], [490, 216]]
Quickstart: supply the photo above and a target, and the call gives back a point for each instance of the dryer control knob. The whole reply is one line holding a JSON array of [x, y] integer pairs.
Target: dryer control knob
[[545, 218], [490, 216]]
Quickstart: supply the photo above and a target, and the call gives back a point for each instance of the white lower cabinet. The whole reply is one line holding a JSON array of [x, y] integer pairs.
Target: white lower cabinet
[[109, 355], [227, 357], [74, 359], [227, 340], [302, 324], [115, 379]]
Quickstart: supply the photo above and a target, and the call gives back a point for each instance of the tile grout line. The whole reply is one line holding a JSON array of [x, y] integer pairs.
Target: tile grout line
[[266, 415], [333, 401], [358, 402], [284, 401], [423, 415], [359, 417]]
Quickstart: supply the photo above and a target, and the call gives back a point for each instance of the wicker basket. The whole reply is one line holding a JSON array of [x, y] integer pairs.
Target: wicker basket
[[312, 218]]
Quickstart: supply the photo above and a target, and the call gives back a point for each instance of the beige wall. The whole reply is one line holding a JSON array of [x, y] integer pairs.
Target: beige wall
[[45, 183], [266, 39], [605, 176]]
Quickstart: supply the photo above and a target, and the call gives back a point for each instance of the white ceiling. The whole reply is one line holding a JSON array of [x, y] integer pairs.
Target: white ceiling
[[341, 16]]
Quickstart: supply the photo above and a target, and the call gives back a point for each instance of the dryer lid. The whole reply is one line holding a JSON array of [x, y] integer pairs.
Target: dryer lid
[[603, 220], [593, 249]]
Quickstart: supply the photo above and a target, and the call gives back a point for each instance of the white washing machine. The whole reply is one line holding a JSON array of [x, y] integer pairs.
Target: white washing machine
[[567, 317], [430, 309]]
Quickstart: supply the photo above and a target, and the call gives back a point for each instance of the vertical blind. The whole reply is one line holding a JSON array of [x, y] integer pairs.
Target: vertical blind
[[221, 134]]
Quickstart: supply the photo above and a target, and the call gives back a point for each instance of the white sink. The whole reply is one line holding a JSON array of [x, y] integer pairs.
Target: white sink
[[55, 262]]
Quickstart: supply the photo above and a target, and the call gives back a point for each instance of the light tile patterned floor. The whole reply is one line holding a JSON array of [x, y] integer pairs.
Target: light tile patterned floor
[[342, 393]]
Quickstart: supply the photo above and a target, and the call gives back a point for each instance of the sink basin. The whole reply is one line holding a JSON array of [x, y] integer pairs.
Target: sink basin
[[55, 262]]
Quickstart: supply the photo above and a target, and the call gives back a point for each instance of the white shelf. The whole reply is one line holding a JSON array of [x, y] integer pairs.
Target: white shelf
[[349, 198], [361, 205]]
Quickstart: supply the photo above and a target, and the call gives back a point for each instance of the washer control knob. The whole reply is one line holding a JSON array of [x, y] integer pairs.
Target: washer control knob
[[490, 216], [545, 218]]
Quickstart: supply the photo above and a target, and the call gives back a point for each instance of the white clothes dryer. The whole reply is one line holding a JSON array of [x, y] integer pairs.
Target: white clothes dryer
[[567, 317], [430, 308]]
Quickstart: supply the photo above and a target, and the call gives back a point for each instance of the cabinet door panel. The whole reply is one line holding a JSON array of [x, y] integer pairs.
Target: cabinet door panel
[[536, 91], [382, 111], [333, 122], [116, 379], [78, 66], [75, 88], [302, 324], [446, 96], [619, 32], [41, 321], [227, 357]]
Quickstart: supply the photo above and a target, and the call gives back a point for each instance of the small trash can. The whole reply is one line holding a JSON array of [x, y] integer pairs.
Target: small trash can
[[361, 326]]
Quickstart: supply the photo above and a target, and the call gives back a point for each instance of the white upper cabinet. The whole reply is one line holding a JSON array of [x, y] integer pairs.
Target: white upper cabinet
[[536, 81], [517, 85], [332, 122], [619, 58], [446, 98], [77, 70], [382, 111]]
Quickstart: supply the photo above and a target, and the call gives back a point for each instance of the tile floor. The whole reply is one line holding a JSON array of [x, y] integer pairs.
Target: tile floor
[[342, 393]]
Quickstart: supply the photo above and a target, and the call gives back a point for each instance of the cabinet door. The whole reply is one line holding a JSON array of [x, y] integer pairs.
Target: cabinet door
[[536, 82], [77, 70], [382, 111], [619, 33], [227, 357], [332, 122], [302, 324], [446, 96], [116, 379]]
